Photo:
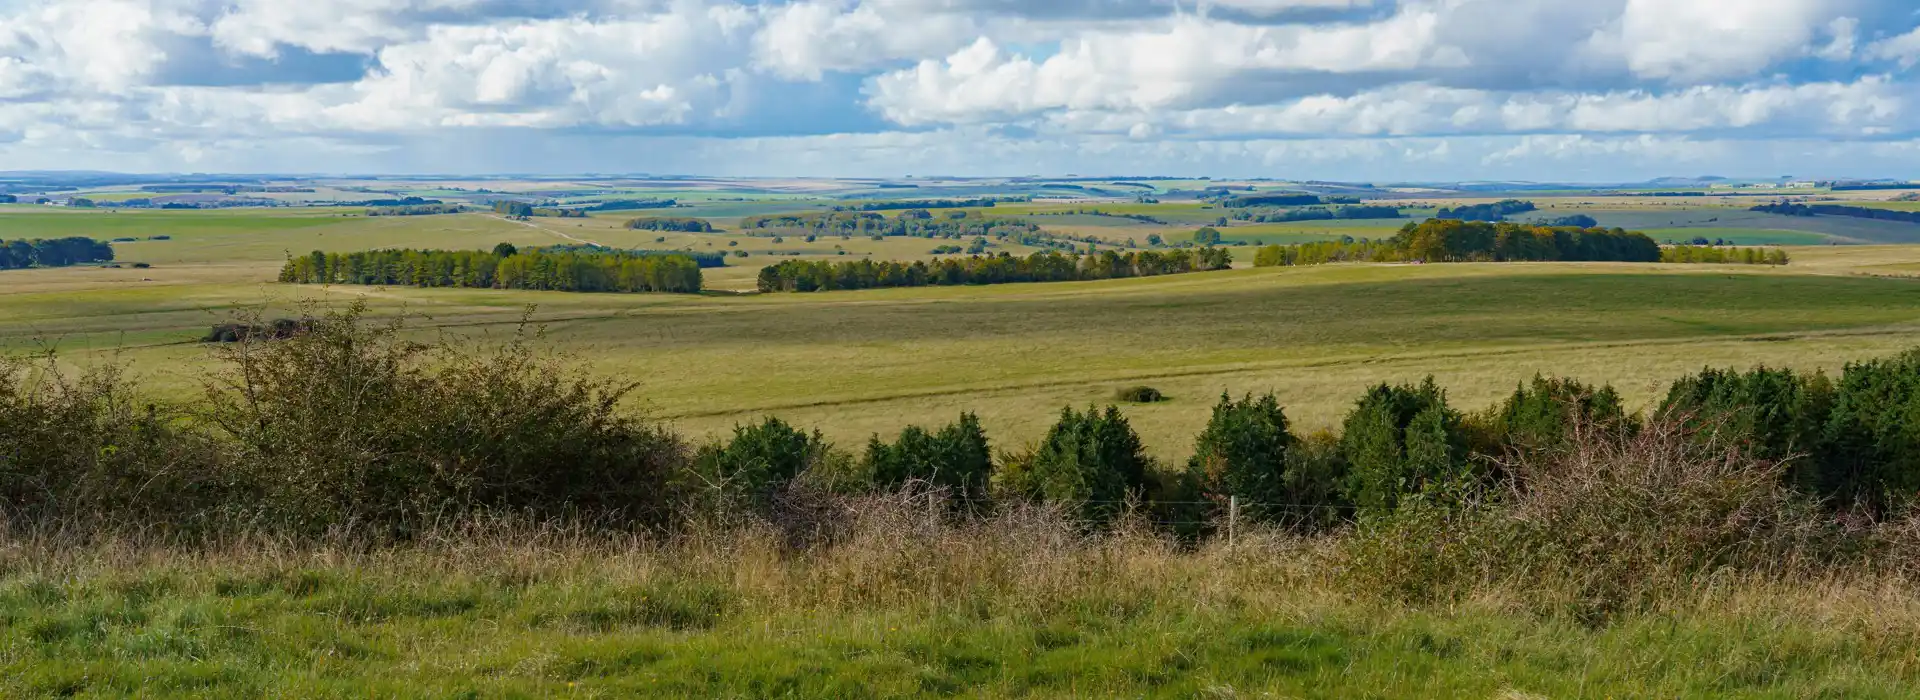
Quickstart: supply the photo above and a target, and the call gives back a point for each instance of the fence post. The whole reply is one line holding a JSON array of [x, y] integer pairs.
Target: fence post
[[1233, 519]]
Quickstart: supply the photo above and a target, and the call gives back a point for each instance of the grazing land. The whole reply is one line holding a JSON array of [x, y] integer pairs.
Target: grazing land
[[855, 363], [897, 602]]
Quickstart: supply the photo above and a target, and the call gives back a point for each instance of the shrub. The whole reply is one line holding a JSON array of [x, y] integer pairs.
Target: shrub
[[749, 470], [1243, 453], [1611, 524], [1871, 443], [1400, 441], [1543, 414], [1773, 414], [83, 451], [1140, 394], [1092, 461], [957, 457], [350, 422]]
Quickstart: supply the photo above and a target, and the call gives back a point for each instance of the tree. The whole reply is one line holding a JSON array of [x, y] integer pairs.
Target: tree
[[758, 462], [1153, 239], [957, 457], [1207, 236], [1401, 441], [1243, 452], [504, 250], [1091, 460]]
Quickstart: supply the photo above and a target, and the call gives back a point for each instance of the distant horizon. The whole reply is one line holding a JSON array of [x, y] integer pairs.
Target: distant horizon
[[427, 175]]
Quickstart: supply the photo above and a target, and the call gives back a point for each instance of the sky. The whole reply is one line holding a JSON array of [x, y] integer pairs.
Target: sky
[[1355, 90]]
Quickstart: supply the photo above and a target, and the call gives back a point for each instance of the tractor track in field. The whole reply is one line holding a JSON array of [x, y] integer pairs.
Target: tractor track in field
[[1298, 364]]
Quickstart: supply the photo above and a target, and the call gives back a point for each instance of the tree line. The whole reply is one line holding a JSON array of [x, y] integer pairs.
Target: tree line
[[1454, 240], [684, 225], [339, 421], [1723, 255], [633, 204], [1283, 199], [1047, 266], [1786, 208], [416, 210], [504, 267], [521, 210], [1494, 211], [895, 204], [53, 252], [1319, 214]]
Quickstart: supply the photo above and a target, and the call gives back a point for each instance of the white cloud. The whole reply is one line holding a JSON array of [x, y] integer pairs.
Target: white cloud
[[1169, 67], [805, 39], [1904, 48], [1460, 82], [1686, 41]]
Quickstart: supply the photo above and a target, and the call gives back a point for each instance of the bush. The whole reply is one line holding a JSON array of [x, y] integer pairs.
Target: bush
[[1871, 443], [1400, 441], [1092, 461], [349, 422], [957, 457], [1243, 453], [1140, 394], [745, 474], [1614, 523], [1773, 414], [1544, 414], [82, 451]]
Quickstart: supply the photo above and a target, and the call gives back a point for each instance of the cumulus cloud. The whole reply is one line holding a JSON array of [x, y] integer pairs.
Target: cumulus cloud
[[1465, 83], [1692, 40]]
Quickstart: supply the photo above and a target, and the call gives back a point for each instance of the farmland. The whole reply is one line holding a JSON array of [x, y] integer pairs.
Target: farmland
[[864, 362], [1019, 603]]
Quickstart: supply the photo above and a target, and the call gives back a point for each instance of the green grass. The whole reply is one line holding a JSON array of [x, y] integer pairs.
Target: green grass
[[855, 363], [1741, 236], [497, 619]]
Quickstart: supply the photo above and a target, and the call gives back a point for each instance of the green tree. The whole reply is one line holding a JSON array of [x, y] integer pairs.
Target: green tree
[[1400, 441], [1092, 460], [756, 464], [1207, 236]]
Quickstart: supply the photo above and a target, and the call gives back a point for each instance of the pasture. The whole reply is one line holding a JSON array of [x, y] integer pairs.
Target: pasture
[[857, 363], [1022, 606]]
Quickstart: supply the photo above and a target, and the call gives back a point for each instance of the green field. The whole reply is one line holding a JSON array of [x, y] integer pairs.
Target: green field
[[904, 606], [856, 363], [975, 614]]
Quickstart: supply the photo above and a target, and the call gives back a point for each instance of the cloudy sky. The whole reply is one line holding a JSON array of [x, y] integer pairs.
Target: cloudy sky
[[1591, 90]]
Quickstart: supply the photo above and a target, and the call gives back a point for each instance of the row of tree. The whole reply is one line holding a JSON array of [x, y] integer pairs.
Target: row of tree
[[1846, 444], [1785, 208], [1048, 266], [683, 225], [1283, 199], [918, 223], [1494, 211], [502, 268], [53, 252], [1354, 211], [1724, 255], [1454, 240], [895, 204], [416, 210]]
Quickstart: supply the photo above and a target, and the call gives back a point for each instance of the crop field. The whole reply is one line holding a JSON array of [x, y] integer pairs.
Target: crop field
[[1020, 606], [855, 363]]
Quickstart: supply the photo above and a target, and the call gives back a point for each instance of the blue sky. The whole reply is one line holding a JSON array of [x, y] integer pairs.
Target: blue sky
[[1381, 90]]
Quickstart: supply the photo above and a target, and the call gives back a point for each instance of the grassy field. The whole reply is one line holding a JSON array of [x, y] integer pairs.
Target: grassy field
[[909, 614], [856, 363], [898, 609]]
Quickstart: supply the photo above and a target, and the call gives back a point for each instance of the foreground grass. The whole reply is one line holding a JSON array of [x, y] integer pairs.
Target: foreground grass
[[1122, 618]]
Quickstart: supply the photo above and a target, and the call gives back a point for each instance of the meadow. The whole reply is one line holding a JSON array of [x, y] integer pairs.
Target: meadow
[[874, 361], [1022, 605]]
